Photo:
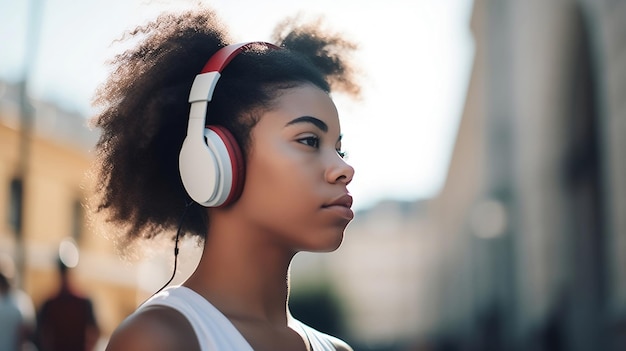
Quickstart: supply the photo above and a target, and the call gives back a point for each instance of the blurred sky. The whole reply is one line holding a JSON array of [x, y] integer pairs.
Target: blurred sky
[[416, 55]]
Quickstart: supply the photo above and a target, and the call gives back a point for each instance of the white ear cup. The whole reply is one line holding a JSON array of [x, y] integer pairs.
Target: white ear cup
[[224, 174], [205, 169], [210, 162]]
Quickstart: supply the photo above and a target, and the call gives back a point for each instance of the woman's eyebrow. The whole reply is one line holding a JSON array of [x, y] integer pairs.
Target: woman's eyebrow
[[308, 119]]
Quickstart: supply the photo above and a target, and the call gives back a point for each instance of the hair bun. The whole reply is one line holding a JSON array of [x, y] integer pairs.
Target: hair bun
[[329, 51]]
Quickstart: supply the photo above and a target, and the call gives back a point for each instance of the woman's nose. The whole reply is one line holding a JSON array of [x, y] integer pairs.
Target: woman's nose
[[339, 171]]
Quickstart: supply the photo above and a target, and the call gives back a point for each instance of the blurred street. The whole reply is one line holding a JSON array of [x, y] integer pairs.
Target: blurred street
[[522, 248]]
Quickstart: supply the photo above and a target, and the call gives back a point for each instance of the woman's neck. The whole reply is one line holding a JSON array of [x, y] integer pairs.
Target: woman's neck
[[244, 278]]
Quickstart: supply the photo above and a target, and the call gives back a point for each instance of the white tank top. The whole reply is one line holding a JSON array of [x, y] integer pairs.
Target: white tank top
[[214, 330]]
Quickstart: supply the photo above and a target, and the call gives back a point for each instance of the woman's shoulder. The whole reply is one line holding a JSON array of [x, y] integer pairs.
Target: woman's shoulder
[[158, 328]]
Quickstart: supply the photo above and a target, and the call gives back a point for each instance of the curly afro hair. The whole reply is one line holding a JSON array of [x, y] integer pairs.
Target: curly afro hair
[[144, 109]]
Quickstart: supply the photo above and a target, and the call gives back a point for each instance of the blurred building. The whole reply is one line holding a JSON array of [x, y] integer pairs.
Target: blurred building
[[534, 205], [42, 192]]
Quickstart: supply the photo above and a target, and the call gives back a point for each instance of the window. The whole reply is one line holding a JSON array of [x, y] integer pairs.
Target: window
[[77, 220], [16, 194]]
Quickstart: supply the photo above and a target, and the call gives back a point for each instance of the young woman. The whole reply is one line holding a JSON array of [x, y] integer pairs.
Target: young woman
[[239, 144]]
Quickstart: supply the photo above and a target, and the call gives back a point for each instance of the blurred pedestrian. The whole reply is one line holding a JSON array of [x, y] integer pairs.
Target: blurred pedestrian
[[259, 177], [66, 321], [17, 316]]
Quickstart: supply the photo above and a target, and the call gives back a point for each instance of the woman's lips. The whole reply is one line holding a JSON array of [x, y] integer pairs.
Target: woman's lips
[[342, 206]]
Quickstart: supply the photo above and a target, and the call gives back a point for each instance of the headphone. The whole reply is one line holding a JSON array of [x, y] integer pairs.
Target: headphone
[[211, 162]]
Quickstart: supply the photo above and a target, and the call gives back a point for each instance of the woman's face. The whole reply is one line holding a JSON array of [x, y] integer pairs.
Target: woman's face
[[295, 192]]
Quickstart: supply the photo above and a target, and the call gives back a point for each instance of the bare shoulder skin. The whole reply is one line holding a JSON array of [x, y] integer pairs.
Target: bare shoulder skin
[[155, 328]]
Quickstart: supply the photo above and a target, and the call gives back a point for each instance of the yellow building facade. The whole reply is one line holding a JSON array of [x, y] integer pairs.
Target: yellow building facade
[[55, 186]]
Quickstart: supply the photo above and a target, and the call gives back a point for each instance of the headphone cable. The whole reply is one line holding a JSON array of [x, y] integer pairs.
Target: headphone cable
[[180, 226]]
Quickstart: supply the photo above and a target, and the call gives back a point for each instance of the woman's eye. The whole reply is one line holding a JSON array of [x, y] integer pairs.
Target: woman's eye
[[310, 141], [341, 153]]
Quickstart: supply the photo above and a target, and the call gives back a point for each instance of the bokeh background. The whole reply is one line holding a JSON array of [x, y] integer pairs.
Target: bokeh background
[[490, 139]]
